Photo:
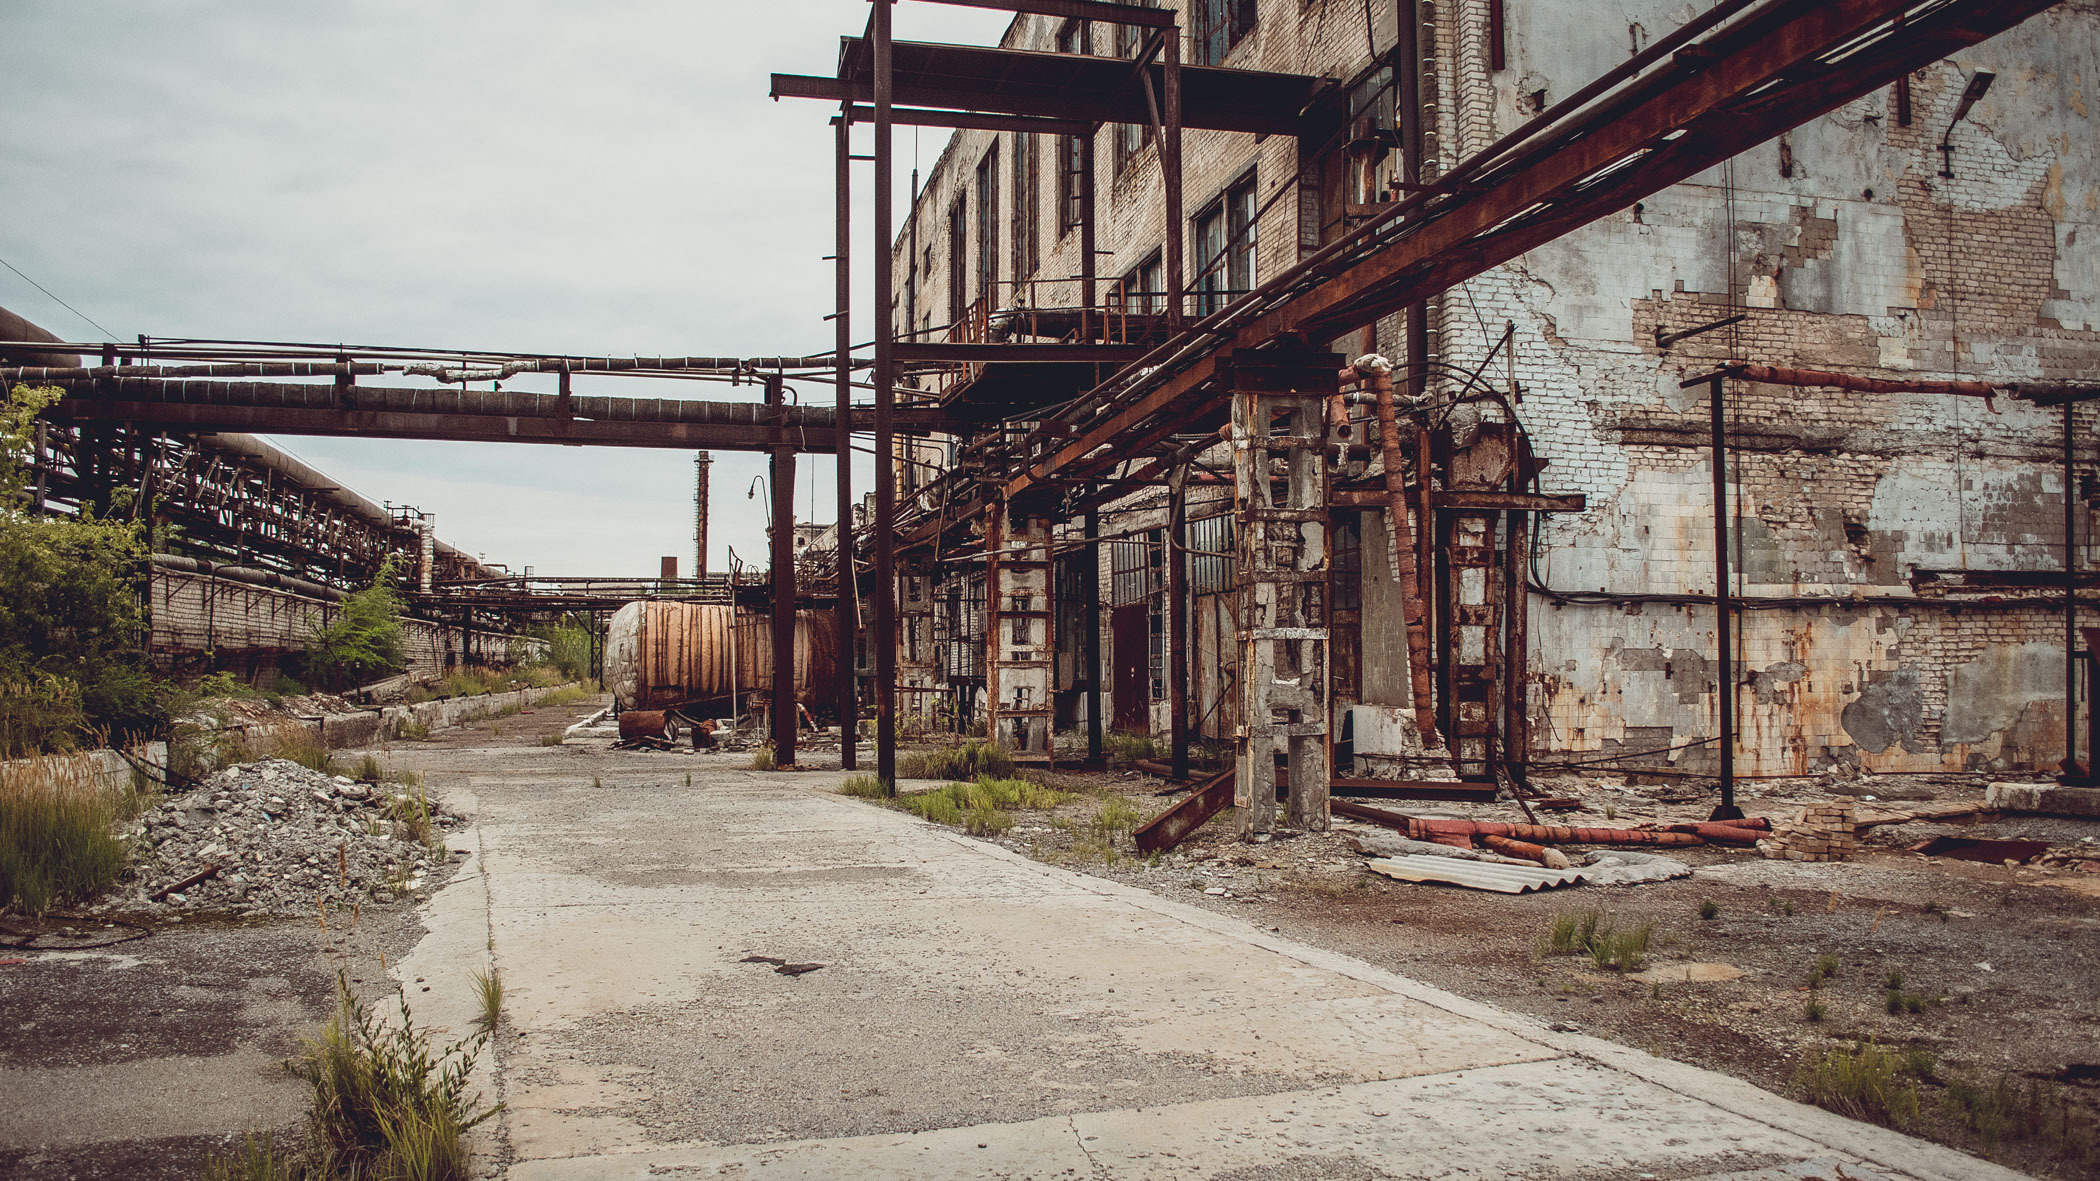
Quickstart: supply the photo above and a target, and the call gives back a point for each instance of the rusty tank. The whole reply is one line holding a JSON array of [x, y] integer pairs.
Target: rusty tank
[[667, 655]]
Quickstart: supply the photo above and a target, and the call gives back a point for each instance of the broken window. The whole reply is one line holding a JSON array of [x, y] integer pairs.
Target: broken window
[[1142, 292], [1131, 138], [1212, 569]]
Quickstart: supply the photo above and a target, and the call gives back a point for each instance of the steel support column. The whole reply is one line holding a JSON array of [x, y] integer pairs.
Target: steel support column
[[1177, 558], [785, 722], [1280, 472], [1090, 596], [1170, 172], [885, 621], [847, 608]]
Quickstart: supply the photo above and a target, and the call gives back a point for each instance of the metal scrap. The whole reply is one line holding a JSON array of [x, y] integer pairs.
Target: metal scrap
[[1498, 877]]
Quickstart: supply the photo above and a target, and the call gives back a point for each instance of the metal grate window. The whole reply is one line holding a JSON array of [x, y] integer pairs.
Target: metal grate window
[[1208, 574]]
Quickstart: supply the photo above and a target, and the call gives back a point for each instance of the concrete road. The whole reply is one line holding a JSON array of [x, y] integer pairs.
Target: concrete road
[[978, 1014]]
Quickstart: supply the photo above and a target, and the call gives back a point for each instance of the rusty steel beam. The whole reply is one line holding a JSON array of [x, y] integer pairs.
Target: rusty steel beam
[[974, 120], [1190, 813], [1089, 10], [1489, 501], [1116, 354]]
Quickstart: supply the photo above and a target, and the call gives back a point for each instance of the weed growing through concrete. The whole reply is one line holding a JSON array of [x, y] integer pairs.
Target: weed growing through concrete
[[553, 739], [1826, 967], [1611, 811], [488, 990], [1115, 819], [414, 731], [1816, 1010], [597, 782], [689, 779], [413, 820], [259, 1158], [762, 759], [1787, 908], [1709, 909]]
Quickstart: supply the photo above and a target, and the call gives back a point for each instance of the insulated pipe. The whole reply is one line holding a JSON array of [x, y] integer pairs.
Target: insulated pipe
[[1400, 545]]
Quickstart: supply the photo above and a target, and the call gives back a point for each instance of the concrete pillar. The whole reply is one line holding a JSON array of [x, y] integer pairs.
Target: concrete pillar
[[1019, 649], [1279, 442]]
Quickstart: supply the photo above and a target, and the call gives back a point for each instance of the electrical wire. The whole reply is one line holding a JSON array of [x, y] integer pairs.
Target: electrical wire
[[62, 303]]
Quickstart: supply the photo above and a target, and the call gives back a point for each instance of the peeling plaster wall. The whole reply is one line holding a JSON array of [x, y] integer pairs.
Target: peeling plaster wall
[[1845, 250]]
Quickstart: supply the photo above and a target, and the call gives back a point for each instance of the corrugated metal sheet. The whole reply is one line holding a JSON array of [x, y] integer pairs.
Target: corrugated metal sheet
[[1474, 875]]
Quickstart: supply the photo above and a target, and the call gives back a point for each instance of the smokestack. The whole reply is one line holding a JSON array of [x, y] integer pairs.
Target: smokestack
[[701, 462]]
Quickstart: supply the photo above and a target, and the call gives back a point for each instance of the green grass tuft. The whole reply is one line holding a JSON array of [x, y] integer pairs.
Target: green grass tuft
[[762, 759], [1124, 746], [1598, 936], [866, 787], [1709, 909], [1865, 1082]]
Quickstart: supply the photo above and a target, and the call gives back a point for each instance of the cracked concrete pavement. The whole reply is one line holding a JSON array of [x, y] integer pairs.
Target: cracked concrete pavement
[[979, 1014]]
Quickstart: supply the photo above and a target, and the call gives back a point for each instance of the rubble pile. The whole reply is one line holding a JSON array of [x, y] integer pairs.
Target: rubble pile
[[274, 837]]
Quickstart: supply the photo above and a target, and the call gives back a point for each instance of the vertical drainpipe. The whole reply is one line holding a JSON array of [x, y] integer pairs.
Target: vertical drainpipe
[[2071, 602], [847, 605], [885, 621], [1724, 605]]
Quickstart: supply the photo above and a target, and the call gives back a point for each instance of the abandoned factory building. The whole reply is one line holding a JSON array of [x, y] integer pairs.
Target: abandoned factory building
[[1851, 308]]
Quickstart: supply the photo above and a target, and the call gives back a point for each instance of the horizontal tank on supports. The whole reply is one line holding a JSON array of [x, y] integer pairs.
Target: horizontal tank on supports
[[666, 655]]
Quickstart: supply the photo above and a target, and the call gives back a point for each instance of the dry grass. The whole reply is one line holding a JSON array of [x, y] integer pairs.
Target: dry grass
[[1598, 936], [965, 762], [57, 839]]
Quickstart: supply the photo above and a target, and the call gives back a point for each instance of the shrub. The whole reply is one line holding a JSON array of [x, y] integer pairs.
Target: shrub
[[1709, 909], [363, 642], [71, 664]]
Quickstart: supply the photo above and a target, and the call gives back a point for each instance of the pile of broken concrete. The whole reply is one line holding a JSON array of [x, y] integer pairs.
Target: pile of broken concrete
[[274, 837]]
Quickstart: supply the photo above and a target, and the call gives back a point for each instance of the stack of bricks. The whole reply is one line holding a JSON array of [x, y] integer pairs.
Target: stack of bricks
[[1823, 833]]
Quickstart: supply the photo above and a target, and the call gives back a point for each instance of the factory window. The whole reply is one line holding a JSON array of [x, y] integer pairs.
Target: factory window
[[1225, 247], [1027, 201], [988, 227], [1212, 569], [1130, 138], [1075, 37], [1218, 25], [958, 243], [1142, 292]]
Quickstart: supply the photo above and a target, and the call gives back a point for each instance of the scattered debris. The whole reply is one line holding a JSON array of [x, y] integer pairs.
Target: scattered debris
[[1499, 877], [274, 837], [1509, 847], [1981, 849], [781, 966], [1623, 867], [1380, 845]]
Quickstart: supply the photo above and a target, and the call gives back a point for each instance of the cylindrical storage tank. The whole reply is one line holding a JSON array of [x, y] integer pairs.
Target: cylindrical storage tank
[[663, 655]]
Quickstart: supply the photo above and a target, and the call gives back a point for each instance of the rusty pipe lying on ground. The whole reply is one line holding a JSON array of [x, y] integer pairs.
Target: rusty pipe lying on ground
[[1554, 834]]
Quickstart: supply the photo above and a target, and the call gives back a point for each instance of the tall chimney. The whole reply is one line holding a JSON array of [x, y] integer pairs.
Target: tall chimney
[[701, 462]]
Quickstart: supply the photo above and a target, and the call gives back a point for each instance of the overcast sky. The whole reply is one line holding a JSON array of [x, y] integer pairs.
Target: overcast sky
[[604, 178]]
